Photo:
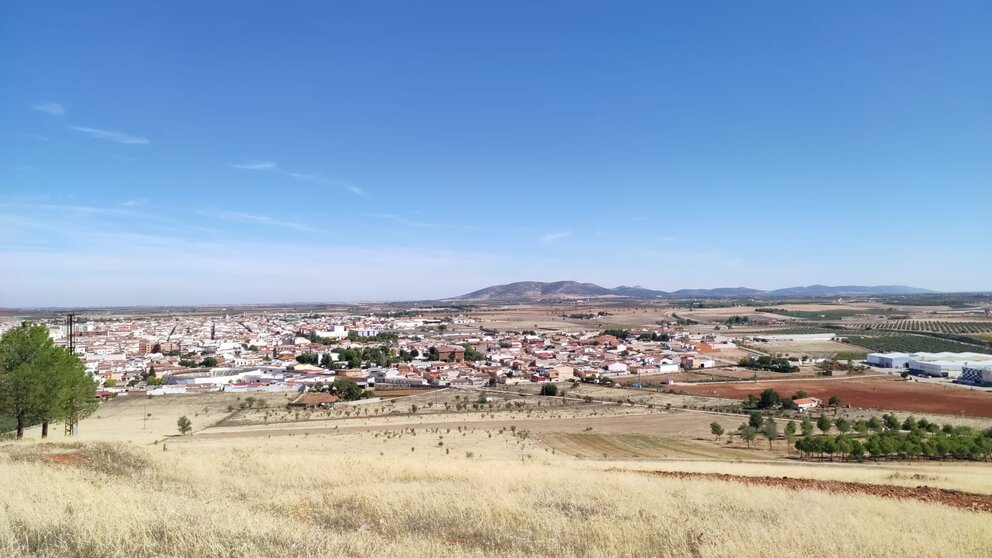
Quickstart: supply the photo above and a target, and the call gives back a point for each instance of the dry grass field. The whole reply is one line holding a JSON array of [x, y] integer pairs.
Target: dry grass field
[[310, 497], [574, 479]]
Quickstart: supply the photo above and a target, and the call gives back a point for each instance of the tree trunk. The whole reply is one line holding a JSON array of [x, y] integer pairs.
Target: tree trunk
[[20, 426], [44, 429]]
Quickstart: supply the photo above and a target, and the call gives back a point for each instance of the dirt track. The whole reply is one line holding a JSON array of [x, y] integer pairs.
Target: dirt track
[[928, 494]]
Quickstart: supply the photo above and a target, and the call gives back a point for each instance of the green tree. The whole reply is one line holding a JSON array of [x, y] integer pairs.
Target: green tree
[[41, 382], [874, 424], [769, 430], [184, 425], [834, 402], [824, 423], [769, 399], [347, 390], [716, 429], [22, 386], [748, 434], [209, 362], [891, 421], [910, 423], [807, 427], [550, 390], [756, 420], [861, 427], [843, 425], [790, 433]]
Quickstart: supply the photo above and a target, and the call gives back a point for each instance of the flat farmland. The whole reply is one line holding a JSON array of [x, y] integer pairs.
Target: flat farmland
[[608, 420], [817, 349], [555, 318], [882, 393]]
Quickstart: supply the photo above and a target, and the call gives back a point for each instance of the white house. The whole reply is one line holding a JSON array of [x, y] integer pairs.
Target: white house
[[617, 368], [806, 403]]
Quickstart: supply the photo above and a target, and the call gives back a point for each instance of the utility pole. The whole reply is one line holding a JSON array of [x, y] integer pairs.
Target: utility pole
[[71, 422]]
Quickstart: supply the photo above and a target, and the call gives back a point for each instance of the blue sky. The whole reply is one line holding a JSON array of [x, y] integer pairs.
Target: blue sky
[[224, 152]]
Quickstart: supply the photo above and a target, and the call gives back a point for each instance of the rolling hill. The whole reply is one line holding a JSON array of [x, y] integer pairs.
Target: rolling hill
[[536, 290]]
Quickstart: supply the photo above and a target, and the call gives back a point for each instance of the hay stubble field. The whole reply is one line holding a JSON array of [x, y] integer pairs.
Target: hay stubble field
[[560, 482]]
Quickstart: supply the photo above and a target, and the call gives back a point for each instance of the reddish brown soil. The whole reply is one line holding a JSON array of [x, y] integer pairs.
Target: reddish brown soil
[[66, 458], [928, 494], [883, 393]]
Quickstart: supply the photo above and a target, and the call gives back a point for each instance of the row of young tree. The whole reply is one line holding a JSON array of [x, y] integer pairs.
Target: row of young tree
[[40, 382], [970, 445], [874, 438]]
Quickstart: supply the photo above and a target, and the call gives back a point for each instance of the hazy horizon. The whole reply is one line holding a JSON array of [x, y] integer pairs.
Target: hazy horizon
[[232, 153]]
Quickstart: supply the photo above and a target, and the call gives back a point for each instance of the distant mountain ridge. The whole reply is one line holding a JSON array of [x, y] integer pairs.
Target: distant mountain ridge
[[538, 290]]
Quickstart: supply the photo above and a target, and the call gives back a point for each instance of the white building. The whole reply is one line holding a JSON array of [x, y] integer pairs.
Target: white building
[[939, 365], [976, 375], [889, 360]]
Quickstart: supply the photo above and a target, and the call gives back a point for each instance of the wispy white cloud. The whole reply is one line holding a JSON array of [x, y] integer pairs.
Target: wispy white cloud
[[111, 135], [136, 265], [555, 236], [259, 165], [134, 203], [272, 166], [54, 109], [261, 219]]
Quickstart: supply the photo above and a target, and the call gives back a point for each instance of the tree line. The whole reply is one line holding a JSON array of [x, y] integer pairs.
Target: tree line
[[40, 382], [875, 438]]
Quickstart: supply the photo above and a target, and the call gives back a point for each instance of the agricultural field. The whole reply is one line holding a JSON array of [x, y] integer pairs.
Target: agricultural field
[[615, 472], [871, 392], [815, 349], [934, 326], [796, 330], [910, 343], [358, 496], [833, 314]]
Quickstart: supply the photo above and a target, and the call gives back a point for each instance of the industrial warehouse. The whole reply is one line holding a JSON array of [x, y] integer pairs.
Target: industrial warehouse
[[971, 367]]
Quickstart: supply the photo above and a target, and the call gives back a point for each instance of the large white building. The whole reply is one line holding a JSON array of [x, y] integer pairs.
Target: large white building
[[947, 365], [981, 375]]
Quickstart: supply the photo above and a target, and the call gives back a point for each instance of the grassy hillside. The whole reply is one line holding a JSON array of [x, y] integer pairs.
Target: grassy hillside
[[303, 498]]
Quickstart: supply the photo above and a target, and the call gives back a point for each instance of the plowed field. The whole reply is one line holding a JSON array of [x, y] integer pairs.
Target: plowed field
[[883, 393]]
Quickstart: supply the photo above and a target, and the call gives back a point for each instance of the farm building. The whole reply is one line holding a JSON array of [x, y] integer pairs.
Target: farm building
[[314, 400], [976, 375], [806, 403], [946, 365], [889, 360]]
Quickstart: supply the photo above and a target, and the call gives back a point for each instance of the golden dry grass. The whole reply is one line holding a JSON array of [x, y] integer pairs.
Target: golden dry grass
[[321, 496]]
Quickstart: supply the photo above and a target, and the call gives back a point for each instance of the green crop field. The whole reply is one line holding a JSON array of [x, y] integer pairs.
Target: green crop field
[[960, 328], [910, 343], [829, 315], [799, 331]]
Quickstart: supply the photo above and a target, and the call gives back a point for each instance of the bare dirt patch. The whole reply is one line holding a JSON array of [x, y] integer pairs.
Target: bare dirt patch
[[101, 457], [928, 494]]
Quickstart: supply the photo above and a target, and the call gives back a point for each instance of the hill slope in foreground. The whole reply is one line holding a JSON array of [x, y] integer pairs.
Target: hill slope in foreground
[[411, 485], [537, 290]]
